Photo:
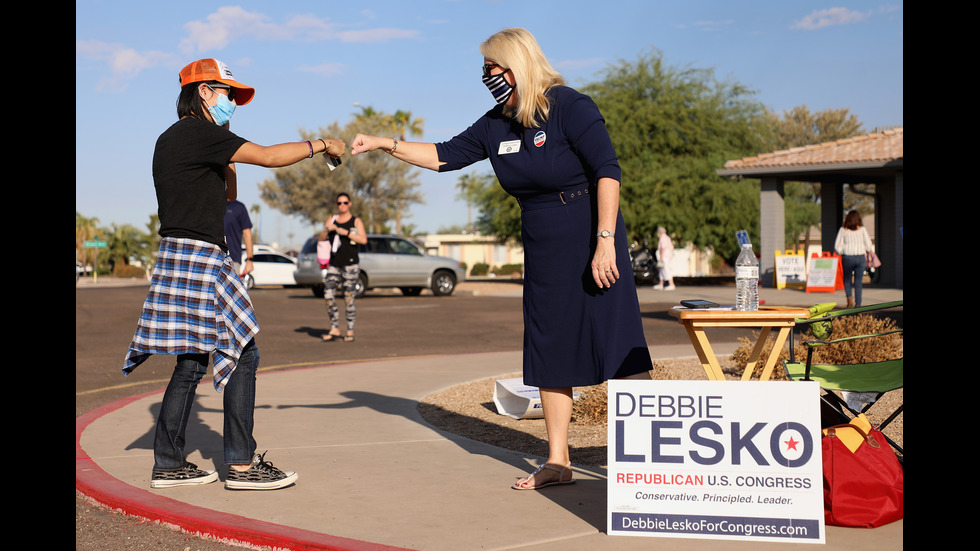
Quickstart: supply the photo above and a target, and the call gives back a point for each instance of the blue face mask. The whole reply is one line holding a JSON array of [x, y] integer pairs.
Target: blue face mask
[[222, 110]]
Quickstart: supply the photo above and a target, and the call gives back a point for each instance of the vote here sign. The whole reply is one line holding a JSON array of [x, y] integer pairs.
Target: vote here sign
[[715, 460]]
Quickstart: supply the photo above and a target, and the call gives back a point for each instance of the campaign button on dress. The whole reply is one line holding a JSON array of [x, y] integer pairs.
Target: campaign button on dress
[[540, 138]]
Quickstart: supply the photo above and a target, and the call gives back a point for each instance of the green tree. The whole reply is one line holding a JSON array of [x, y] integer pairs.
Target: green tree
[[127, 243], [153, 241], [798, 127], [455, 229], [672, 128], [466, 190], [256, 211], [378, 184], [368, 114], [404, 124], [86, 229], [412, 230], [500, 214]]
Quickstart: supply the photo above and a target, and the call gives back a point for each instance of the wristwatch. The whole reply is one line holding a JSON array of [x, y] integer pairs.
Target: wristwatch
[[605, 233]]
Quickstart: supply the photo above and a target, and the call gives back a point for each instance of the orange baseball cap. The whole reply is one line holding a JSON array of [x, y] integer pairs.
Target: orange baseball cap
[[212, 70]]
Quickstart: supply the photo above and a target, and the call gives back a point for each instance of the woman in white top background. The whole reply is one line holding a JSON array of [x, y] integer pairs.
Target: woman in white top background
[[852, 244], [665, 252]]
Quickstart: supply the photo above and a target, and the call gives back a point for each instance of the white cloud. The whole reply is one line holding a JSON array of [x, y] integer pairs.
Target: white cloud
[[92, 49], [229, 23], [215, 32], [376, 35], [324, 69], [221, 27], [713, 25], [124, 63], [829, 18]]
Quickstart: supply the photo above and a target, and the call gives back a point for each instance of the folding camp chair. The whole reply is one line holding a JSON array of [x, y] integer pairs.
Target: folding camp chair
[[860, 384]]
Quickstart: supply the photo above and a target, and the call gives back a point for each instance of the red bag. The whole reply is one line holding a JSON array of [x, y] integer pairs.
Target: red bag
[[863, 488]]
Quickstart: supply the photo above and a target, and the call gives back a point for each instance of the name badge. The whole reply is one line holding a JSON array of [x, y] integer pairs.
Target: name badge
[[512, 146]]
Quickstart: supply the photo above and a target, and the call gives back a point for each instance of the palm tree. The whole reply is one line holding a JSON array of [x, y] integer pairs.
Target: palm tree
[[125, 243], [367, 113], [85, 229], [256, 208], [466, 186], [403, 123]]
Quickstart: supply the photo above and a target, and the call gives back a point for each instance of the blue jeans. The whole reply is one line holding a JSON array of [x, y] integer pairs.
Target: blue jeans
[[853, 266], [239, 408]]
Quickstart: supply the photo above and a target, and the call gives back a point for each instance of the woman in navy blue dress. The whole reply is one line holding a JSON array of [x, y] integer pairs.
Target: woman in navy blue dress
[[549, 148]]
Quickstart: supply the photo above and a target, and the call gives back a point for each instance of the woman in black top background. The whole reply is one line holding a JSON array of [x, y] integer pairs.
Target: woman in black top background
[[345, 232]]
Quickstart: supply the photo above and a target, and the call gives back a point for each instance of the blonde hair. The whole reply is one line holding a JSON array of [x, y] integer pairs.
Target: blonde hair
[[517, 50]]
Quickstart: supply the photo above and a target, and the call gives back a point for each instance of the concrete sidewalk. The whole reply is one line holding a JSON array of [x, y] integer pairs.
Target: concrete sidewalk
[[372, 473]]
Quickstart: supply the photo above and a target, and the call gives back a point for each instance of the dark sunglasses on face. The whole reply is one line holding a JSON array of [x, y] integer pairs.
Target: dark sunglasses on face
[[343, 203], [487, 67], [231, 91]]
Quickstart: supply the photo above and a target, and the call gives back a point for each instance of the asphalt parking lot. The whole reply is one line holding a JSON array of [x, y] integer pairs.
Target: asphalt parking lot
[[480, 317], [292, 320]]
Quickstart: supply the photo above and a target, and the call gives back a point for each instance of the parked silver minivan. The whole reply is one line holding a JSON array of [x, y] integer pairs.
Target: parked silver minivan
[[387, 261]]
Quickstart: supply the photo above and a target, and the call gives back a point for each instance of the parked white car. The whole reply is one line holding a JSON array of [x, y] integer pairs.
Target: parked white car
[[270, 267]]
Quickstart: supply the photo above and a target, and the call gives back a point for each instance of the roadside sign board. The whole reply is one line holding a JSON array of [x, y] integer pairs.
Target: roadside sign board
[[825, 274], [96, 244], [715, 460], [790, 270], [743, 238]]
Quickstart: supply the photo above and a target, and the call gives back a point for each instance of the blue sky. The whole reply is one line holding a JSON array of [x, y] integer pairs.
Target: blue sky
[[313, 63]]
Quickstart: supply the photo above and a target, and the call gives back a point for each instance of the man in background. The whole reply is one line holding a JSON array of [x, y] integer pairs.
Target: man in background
[[238, 230]]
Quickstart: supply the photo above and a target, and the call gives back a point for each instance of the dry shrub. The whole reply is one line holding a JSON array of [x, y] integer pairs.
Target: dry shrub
[[590, 408], [125, 270], [888, 347]]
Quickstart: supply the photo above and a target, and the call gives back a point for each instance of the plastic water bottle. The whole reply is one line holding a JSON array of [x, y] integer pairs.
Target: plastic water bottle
[[747, 280]]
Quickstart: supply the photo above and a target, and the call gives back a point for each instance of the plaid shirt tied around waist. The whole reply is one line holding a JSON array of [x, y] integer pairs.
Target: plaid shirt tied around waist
[[196, 305]]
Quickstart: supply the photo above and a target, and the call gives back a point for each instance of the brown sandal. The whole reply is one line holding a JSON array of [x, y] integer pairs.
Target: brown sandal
[[560, 469]]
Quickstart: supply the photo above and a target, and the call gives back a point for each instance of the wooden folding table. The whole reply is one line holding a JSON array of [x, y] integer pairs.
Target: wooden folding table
[[695, 321]]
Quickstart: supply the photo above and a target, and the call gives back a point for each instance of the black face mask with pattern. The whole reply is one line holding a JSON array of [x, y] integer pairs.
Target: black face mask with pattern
[[499, 87]]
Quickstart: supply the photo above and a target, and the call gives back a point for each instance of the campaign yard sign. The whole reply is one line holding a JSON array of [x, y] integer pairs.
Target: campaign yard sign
[[715, 460]]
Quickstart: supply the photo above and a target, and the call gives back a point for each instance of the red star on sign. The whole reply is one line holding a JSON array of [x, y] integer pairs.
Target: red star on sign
[[791, 444]]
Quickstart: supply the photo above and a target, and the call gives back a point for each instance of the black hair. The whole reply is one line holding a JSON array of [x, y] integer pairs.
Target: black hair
[[190, 103], [343, 194]]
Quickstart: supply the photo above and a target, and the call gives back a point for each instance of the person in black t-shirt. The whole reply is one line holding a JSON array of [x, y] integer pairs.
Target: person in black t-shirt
[[197, 306]]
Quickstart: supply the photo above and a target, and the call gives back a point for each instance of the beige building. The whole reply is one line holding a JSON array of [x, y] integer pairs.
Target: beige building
[[876, 158], [473, 249]]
